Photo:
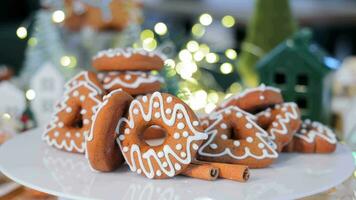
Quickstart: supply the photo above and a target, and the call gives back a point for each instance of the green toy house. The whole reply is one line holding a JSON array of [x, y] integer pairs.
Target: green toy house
[[302, 71]]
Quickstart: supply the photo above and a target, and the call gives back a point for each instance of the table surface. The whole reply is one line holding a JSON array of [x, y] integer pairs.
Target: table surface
[[30, 162]]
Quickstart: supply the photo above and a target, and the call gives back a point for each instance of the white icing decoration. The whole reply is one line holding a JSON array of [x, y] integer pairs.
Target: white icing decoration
[[144, 99], [76, 93], [261, 135], [223, 126], [67, 134], [83, 111], [249, 139], [248, 125], [167, 152], [185, 134], [157, 115], [183, 154], [180, 125], [127, 131], [195, 123], [169, 99], [169, 111], [127, 52], [179, 147], [261, 88], [213, 146], [139, 80], [290, 114], [77, 134], [82, 98], [69, 109], [125, 149], [223, 136], [176, 136], [322, 131]]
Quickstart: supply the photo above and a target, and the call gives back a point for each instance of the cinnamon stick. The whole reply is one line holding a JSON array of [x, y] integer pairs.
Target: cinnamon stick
[[201, 171], [234, 172]]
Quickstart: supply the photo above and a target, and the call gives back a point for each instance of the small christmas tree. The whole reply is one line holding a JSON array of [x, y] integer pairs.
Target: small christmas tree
[[271, 23]]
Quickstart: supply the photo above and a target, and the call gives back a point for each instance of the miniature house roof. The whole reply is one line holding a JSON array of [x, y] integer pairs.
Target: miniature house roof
[[299, 46]]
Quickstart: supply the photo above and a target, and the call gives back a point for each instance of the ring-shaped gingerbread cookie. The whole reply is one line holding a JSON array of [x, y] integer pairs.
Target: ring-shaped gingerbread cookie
[[127, 59], [312, 137], [72, 118], [184, 135], [103, 151], [280, 122], [254, 99], [235, 138]]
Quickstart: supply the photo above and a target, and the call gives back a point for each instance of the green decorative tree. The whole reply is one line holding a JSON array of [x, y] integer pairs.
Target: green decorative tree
[[271, 23]]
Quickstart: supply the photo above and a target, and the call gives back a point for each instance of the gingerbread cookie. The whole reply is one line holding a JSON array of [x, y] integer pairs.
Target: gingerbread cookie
[[313, 137], [127, 59], [184, 135], [235, 138], [254, 99], [132, 82], [103, 151], [101, 15], [73, 115], [281, 122]]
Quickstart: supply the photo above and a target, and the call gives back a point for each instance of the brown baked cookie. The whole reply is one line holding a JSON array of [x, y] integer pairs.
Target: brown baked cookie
[[280, 122], [101, 15], [103, 152], [184, 135], [132, 82], [72, 119], [254, 99], [235, 138], [312, 137], [127, 59]]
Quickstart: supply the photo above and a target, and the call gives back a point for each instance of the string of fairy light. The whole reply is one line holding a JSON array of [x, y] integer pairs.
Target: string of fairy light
[[192, 58], [187, 64]]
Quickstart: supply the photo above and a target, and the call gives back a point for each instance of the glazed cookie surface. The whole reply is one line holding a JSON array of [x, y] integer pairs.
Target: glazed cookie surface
[[254, 99], [184, 135], [313, 137], [235, 138], [72, 119], [280, 122], [127, 59], [102, 149], [132, 82]]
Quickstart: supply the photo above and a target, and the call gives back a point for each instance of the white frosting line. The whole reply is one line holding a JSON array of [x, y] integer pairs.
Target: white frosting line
[[127, 52], [283, 121], [135, 84]]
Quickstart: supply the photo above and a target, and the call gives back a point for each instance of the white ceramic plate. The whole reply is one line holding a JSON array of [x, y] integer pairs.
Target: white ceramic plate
[[29, 161]]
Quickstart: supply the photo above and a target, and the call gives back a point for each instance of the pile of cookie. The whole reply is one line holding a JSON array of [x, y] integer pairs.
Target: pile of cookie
[[107, 120], [129, 69]]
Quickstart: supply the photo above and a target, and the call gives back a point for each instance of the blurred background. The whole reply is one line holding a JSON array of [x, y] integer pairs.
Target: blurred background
[[214, 49]]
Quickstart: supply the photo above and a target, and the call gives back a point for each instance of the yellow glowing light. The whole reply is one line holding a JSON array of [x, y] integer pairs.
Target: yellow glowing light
[[204, 48], [185, 55], [235, 87], [213, 97], [198, 30], [228, 21], [198, 56], [193, 46], [170, 63], [198, 99], [161, 28], [21, 32], [147, 33], [32, 41], [226, 68], [30, 94], [212, 58], [186, 69], [73, 62], [205, 19], [65, 61], [186, 74], [209, 107], [58, 16], [149, 44], [6, 116], [231, 54], [228, 95]]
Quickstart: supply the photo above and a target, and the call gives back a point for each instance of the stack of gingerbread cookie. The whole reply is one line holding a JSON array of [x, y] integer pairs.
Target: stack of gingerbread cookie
[[129, 69]]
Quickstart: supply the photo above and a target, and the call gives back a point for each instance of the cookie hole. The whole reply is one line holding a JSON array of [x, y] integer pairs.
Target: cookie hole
[[78, 122], [154, 135]]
